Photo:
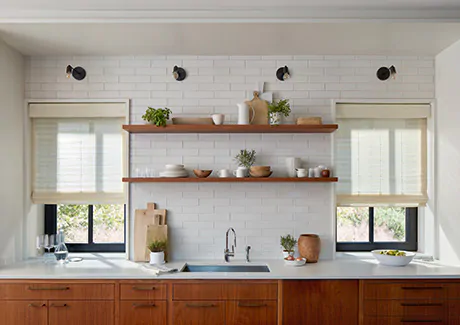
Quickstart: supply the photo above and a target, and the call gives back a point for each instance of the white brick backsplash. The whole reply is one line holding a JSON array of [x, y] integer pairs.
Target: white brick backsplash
[[199, 214]]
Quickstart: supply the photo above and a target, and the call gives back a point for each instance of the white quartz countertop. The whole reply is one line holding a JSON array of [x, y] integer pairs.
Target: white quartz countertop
[[95, 266]]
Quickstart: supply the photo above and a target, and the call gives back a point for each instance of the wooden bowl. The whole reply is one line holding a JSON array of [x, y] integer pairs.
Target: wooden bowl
[[258, 169], [202, 173], [260, 174]]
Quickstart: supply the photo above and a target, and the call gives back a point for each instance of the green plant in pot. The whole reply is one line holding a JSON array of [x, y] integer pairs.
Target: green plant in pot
[[157, 116], [245, 159], [288, 243], [278, 109], [157, 251]]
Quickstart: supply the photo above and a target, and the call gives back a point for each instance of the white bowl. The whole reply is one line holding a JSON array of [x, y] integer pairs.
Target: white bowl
[[390, 260], [174, 167], [295, 263]]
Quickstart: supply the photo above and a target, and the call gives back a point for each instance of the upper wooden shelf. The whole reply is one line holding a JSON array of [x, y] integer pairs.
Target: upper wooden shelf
[[231, 128], [231, 180]]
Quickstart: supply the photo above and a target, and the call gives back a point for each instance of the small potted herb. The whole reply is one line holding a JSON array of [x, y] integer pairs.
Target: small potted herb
[[245, 159], [157, 251], [157, 116], [277, 109], [288, 243]]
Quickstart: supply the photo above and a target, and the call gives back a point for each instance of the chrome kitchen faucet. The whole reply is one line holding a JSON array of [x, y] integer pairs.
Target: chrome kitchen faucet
[[227, 253]]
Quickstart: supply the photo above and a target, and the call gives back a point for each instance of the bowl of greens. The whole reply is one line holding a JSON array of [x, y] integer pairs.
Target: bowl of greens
[[393, 257]]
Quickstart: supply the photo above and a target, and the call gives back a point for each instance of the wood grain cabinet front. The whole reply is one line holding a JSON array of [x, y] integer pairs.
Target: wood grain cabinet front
[[198, 313], [68, 312], [143, 291], [143, 312], [247, 312], [23, 312], [403, 321]]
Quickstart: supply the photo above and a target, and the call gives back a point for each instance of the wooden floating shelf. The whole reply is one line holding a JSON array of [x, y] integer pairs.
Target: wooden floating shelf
[[231, 128], [230, 180]]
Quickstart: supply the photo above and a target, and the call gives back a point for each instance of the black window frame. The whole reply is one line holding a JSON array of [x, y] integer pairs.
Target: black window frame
[[411, 243], [91, 246]]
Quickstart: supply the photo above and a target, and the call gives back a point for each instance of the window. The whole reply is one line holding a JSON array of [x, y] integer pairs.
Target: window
[[79, 159], [380, 159], [88, 228], [369, 228]]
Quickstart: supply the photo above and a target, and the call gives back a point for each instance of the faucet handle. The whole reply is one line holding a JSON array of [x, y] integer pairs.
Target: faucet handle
[[248, 248]]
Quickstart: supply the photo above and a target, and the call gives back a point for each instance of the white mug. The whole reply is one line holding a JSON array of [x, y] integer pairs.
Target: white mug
[[301, 173], [292, 164], [218, 119], [223, 173]]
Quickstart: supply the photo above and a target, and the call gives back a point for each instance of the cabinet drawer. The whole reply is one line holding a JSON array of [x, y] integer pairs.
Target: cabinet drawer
[[225, 291], [143, 313], [198, 313], [144, 291], [404, 308], [403, 321], [247, 312], [75, 312], [93, 291], [406, 290]]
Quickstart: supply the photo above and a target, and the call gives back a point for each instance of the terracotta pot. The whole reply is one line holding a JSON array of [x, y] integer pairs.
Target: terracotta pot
[[309, 247]]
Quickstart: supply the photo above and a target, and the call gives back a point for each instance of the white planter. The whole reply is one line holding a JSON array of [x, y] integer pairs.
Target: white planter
[[157, 258], [286, 253], [275, 118]]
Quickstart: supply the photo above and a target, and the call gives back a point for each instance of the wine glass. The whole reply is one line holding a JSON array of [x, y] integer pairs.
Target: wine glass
[[40, 244], [49, 242]]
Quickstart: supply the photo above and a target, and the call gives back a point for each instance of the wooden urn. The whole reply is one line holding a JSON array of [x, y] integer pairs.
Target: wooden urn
[[309, 247]]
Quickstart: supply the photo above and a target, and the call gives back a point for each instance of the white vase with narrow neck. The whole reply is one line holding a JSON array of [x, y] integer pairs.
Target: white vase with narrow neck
[[243, 114]]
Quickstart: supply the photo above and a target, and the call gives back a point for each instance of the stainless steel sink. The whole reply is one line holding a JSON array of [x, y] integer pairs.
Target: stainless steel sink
[[225, 268]]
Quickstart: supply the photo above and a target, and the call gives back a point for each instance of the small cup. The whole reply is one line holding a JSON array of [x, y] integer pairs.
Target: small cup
[[224, 173], [218, 119], [301, 173]]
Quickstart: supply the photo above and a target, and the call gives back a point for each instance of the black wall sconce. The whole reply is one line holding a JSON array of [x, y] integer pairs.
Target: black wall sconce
[[78, 72], [282, 73], [179, 73], [385, 73]]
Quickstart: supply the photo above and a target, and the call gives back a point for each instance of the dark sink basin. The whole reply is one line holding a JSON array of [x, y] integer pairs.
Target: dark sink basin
[[225, 268]]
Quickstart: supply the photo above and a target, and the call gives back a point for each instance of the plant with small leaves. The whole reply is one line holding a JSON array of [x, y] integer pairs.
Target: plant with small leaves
[[157, 116], [288, 243], [157, 246], [246, 158], [282, 106]]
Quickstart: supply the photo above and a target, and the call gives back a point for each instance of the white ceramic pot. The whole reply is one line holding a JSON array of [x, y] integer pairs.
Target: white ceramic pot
[[286, 253], [275, 118], [218, 119], [241, 172], [157, 258]]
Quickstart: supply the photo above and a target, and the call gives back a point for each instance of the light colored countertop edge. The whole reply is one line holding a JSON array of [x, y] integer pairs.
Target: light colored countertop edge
[[95, 266]]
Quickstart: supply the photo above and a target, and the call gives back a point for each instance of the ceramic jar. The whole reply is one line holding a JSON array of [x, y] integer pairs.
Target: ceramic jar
[[275, 118], [309, 247]]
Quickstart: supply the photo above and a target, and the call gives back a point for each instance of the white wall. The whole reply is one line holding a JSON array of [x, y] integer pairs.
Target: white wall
[[11, 159], [448, 153], [199, 214]]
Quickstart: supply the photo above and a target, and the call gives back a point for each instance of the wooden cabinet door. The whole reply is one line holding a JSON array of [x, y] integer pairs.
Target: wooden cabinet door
[[24, 312], [198, 313], [81, 313], [320, 302], [143, 313], [251, 312]]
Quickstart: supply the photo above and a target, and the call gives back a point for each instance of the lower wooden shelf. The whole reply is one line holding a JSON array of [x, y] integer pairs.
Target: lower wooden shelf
[[230, 180]]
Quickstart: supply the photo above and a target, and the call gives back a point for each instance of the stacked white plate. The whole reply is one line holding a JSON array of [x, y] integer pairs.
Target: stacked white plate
[[174, 171]]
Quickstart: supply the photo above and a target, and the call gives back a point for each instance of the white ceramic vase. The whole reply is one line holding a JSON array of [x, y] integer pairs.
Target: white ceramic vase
[[275, 118], [157, 258]]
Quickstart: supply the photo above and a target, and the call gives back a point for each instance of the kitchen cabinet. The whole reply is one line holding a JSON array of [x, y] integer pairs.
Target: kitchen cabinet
[[320, 302], [24, 312], [75, 312], [143, 313], [198, 313], [247, 312]]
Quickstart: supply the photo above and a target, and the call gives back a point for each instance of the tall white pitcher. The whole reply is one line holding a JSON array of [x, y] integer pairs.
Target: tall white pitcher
[[243, 113]]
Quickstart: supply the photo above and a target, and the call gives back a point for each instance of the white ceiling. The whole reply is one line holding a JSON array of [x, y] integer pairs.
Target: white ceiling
[[195, 4], [232, 39]]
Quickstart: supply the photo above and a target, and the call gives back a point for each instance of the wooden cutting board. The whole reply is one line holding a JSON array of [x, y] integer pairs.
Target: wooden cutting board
[[260, 107], [142, 219]]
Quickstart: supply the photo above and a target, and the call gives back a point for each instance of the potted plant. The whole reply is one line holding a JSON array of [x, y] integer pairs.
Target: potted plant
[[157, 251], [157, 116], [288, 243], [277, 109], [245, 159]]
